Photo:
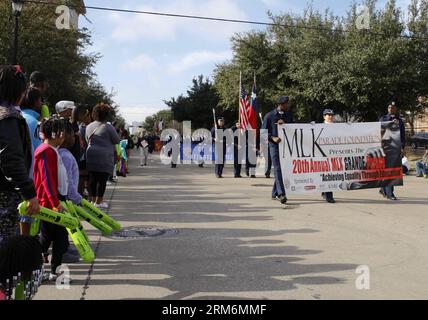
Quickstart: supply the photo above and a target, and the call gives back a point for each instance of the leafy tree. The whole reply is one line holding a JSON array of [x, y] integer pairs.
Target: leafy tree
[[59, 54], [150, 123], [197, 105], [321, 60]]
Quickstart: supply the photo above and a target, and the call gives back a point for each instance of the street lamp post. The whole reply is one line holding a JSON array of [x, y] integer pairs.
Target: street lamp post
[[16, 8]]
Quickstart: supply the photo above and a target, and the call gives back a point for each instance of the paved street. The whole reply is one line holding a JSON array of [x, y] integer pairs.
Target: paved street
[[233, 241]]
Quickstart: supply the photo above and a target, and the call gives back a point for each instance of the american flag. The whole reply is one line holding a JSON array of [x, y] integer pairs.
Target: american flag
[[244, 108], [248, 108]]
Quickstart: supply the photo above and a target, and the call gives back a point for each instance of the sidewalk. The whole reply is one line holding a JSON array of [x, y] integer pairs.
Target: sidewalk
[[234, 242]]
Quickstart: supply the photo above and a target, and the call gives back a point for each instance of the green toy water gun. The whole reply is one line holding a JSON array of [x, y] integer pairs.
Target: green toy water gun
[[72, 210], [45, 113], [19, 291], [105, 229], [101, 215], [35, 227], [58, 218], [79, 238]]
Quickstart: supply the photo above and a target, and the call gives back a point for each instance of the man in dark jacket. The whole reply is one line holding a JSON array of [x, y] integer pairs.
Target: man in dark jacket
[[393, 115], [278, 116], [15, 153], [237, 150], [219, 147]]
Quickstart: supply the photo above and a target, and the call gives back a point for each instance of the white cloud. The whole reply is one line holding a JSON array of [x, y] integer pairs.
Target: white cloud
[[138, 113], [140, 62], [199, 58], [133, 27]]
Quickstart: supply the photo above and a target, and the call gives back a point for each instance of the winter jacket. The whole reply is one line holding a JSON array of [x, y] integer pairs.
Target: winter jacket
[[15, 153], [46, 176]]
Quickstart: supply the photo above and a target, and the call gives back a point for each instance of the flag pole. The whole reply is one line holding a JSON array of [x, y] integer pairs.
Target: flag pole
[[215, 119], [239, 98], [255, 83]]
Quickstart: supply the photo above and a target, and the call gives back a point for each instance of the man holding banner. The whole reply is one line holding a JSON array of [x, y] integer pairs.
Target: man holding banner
[[328, 115], [342, 156], [392, 115], [273, 119]]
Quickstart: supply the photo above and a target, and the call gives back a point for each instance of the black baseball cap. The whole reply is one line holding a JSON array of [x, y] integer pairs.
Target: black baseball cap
[[328, 111], [37, 77], [282, 100]]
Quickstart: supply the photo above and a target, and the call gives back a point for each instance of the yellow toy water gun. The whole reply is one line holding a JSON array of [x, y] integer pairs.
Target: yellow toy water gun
[[101, 215]]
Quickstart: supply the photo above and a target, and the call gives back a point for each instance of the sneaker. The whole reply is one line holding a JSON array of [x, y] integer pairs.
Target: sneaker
[[419, 176], [392, 198], [267, 176], [238, 176], [48, 277], [70, 258], [283, 199], [331, 200], [253, 176], [108, 183], [426, 176], [53, 278], [382, 193], [103, 205]]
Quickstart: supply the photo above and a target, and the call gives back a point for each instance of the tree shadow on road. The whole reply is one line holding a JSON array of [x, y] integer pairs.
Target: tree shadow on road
[[205, 263]]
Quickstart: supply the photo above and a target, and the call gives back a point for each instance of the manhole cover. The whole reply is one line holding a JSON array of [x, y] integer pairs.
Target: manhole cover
[[134, 233]]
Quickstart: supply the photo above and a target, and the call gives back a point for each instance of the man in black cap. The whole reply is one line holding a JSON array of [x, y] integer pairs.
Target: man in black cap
[[328, 115], [393, 115], [276, 117], [219, 166], [38, 80]]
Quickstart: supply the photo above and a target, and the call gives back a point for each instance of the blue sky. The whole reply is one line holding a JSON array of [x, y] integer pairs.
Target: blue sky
[[147, 59]]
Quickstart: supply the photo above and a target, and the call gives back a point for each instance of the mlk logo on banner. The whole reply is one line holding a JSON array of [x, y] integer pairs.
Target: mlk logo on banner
[[340, 156]]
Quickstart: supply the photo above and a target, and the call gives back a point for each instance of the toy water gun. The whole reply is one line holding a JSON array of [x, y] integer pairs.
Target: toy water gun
[[101, 215], [45, 113], [19, 291], [58, 218], [72, 210], [105, 229], [25, 289], [35, 228], [80, 239]]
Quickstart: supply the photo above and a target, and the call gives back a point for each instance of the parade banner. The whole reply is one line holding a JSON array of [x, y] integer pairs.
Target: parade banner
[[340, 156]]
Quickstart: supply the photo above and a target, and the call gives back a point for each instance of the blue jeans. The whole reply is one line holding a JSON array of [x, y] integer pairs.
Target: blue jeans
[[268, 165], [278, 187], [388, 191], [421, 168]]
